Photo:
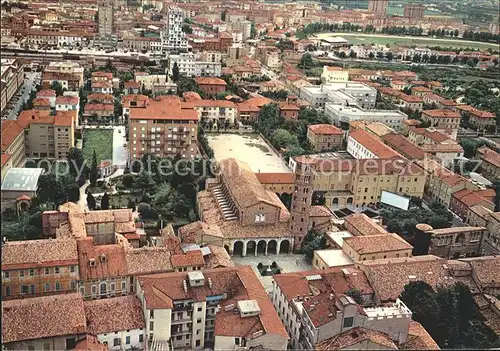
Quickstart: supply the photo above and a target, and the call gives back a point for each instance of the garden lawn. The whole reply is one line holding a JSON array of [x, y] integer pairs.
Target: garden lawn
[[100, 140]]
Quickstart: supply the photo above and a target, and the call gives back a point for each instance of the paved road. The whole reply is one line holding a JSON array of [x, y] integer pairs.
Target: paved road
[[119, 150], [32, 78], [266, 71], [82, 202]]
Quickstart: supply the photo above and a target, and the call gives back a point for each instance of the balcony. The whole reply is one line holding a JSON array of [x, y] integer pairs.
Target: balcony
[[182, 331], [182, 308], [182, 321]]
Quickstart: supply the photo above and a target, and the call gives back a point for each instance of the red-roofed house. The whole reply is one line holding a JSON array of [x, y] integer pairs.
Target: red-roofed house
[[211, 85], [463, 200], [324, 136], [13, 147], [490, 165]]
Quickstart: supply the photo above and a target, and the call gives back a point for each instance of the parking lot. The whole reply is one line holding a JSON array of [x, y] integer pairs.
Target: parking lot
[[31, 80]]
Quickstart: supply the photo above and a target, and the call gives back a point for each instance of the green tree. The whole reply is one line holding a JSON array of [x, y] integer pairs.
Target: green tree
[[57, 87], [175, 72], [306, 61], [91, 203], [128, 180], [105, 201], [312, 241], [186, 28], [94, 171], [76, 164], [389, 56], [282, 139], [144, 181]]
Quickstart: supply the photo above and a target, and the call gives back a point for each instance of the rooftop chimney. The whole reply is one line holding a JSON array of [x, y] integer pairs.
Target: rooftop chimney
[[184, 284]]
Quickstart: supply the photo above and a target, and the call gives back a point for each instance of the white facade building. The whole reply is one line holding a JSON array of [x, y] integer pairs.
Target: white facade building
[[190, 67], [339, 114], [334, 74], [358, 150], [317, 95], [172, 36]]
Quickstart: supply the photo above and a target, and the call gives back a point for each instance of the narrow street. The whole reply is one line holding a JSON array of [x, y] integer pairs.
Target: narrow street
[[32, 79]]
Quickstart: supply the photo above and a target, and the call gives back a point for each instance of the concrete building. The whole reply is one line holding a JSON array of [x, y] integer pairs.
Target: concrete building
[[225, 308], [19, 187], [344, 115], [189, 66], [355, 93], [325, 137], [157, 83], [218, 111], [211, 85], [48, 136], [331, 258], [12, 76], [363, 145], [334, 74], [292, 290], [73, 68], [13, 146], [414, 11], [172, 36], [105, 18], [39, 267], [378, 7], [163, 126]]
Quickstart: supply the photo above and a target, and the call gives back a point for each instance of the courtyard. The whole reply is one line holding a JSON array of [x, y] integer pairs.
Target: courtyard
[[249, 148], [287, 264], [100, 140]]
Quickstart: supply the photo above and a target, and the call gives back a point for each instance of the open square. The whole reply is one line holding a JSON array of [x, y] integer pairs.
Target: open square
[[100, 140], [248, 148]]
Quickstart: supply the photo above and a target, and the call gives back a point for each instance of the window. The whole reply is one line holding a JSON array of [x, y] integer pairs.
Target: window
[[72, 269], [70, 343], [24, 289], [116, 342], [21, 273], [31, 348], [32, 272], [7, 291], [178, 337], [6, 274], [348, 322], [73, 285], [198, 320], [152, 314], [198, 331], [56, 270], [58, 286], [236, 341], [46, 346], [47, 270], [141, 337], [198, 342], [127, 340], [151, 325]]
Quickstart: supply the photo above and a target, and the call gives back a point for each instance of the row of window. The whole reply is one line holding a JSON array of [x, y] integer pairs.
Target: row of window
[[31, 289], [31, 272]]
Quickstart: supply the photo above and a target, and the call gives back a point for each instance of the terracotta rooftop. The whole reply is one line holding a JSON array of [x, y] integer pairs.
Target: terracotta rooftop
[[486, 271], [148, 260], [434, 135], [411, 98], [188, 259], [388, 277], [419, 339], [327, 129], [320, 211], [161, 291], [114, 314], [46, 93], [109, 260], [100, 97], [67, 100], [403, 146], [42, 317], [33, 253], [164, 108], [371, 244], [218, 257], [275, 178], [258, 101], [101, 84], [374, 145], [441, 114], [11, 130], [491, 157], [356, 337], [364, 224], [210, 81]]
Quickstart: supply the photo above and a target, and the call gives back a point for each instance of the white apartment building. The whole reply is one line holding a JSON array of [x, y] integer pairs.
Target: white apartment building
[[334, 74], [317, 95], [172, 36], [216, 110], [189, 66], [339, 115], [363, 145], [208, 311]]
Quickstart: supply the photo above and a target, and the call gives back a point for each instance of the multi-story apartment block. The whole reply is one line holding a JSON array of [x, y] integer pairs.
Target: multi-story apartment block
[[223, 309], [490, 163], [443, 120], [12, 74], [163, 126], [105, 18], [325, 136], [402, 145], [292, 290], [73, 68], [344, 115], [414, 11], [48, 136], [39, 267], [363, 145], [412, 102], [172, 36], [462, 200], [189, 66], [13, 147], [378, 7], [478, 119], [215, 110]]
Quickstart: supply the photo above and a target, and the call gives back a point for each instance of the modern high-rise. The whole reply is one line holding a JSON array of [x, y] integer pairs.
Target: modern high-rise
[[105, 16], [414, 11], [172, 36], [378, 7]]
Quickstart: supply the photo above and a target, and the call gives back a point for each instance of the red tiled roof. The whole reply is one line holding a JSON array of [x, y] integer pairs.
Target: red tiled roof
[[402, 145], [374, 145], [491, 156], [210, 81], [5, 158], [441, 114], [166, 108], [275, 178], [100, 96], [67, 100], [109, 260], [11, 130], [46, 93], [188, 259]]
